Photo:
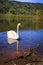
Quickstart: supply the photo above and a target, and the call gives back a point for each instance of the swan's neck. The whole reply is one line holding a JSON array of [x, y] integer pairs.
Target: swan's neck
[[18, 30]]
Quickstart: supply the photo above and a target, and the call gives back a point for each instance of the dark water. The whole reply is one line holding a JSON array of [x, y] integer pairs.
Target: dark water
[[28, 38]]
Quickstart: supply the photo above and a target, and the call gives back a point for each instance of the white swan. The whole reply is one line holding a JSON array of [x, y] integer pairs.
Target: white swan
[[12, 34]]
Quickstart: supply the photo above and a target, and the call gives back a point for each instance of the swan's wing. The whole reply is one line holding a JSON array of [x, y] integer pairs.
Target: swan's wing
[[12, 35]]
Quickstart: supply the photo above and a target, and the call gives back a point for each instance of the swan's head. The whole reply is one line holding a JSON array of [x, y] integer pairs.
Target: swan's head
[[19, 24]]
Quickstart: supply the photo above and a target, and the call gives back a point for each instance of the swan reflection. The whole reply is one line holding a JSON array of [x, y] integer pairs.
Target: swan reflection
[[11, 41]]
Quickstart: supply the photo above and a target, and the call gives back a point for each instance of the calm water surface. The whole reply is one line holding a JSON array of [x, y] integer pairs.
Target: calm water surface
[[28, 38]]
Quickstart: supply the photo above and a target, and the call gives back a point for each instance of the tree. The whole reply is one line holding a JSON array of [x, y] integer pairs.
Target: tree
[[3, 0], [37, 12], [37, 19]]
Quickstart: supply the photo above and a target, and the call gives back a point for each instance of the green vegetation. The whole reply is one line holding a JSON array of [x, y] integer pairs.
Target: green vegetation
[[19, 7], [29, 14]]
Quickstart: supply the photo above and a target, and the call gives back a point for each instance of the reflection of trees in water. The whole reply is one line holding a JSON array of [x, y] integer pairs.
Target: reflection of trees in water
[[31, 21]]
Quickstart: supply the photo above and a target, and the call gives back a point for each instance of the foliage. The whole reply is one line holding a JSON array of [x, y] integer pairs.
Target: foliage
[[19, 7], [38, 12], [12, 12], [10, 21]]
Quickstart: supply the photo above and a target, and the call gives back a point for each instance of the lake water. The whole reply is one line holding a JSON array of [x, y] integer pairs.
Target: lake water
[[28, 38]]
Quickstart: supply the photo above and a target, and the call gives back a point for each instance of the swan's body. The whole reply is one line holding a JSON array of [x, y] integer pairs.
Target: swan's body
[[12, 34]]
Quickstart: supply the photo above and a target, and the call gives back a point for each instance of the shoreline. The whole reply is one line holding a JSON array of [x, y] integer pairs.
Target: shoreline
[[21, 57]]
